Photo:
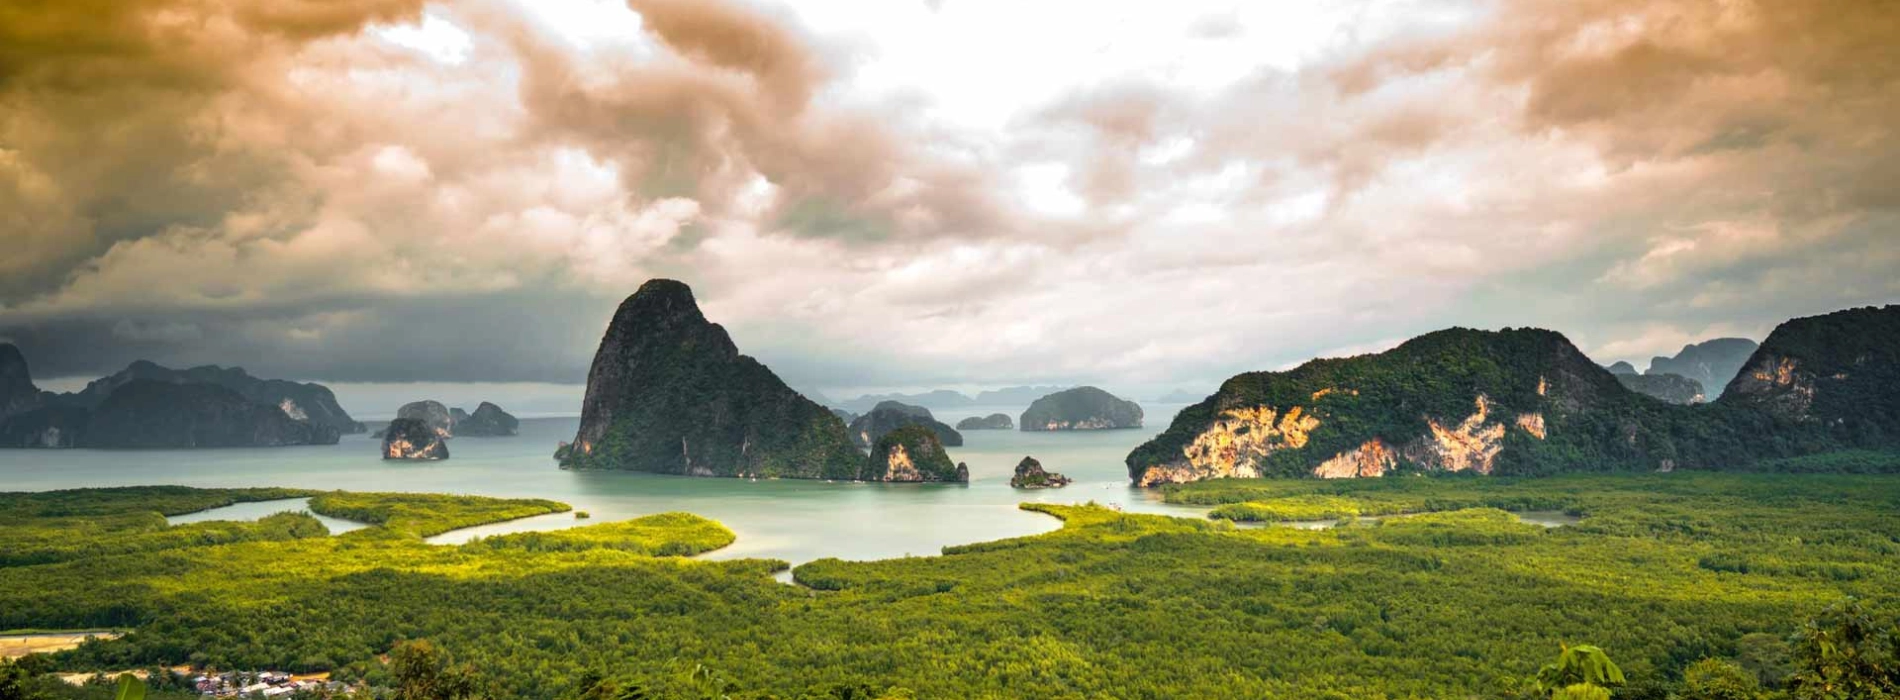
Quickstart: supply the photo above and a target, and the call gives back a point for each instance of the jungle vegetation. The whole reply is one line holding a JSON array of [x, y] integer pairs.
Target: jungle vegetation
[[1697, 585]]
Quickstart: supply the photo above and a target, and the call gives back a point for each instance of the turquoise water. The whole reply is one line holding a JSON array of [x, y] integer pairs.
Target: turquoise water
[[794, 520], [258, 509]]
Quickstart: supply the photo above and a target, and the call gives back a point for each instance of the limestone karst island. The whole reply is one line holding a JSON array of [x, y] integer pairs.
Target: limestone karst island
[[851, 350]]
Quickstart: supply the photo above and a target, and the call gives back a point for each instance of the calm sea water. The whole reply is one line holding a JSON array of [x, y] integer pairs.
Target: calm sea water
[[794, 520]]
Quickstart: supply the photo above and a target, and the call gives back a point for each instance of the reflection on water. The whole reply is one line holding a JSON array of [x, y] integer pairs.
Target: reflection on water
[[794, 520]]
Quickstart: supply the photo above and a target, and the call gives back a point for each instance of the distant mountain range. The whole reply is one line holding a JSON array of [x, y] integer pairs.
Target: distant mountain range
[[1696, 374], [1711, 363], [942, 399]]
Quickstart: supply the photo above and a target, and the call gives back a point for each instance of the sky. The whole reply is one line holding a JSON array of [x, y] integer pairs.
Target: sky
[[888, 195]]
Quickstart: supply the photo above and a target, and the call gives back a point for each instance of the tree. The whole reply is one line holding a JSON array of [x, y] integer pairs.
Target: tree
[[1582, 672], [1766, 656], [594, 687], [1715, 679], [13, 683], [1846, 654], [424, 672]]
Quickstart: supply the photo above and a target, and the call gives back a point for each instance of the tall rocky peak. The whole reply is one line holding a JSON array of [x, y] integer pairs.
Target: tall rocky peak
[[12, 364], [17, 392], [669, 392], [1712, 363]]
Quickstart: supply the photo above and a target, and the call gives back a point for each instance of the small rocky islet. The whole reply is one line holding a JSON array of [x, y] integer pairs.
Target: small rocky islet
[[1030, 475], [1081, 408], [891, 415], [422, 429], [437, 417], [488, 420], [994, 421], [414, 439], [912, 453]]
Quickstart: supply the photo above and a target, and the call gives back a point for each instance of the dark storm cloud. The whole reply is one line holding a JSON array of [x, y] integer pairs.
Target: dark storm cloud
[[105, 128], [546, 338], [259, 183]]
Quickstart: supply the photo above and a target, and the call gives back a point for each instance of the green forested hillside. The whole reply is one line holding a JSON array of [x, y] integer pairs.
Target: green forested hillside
[[1526, 401], [1662, 571]]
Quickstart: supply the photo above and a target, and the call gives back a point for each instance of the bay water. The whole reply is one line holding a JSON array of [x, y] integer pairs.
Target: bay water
[[789, 519]]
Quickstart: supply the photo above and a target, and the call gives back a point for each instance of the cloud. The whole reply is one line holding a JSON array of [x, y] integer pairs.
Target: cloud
[[105, 130], [911, 194]]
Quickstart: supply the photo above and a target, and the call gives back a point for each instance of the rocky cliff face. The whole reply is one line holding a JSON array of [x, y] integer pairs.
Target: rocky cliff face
[[912, 453], [157, 414], [307, 402], [413, 439], [1832, 379], [891, 415], [1673, 388], [1711, 363], [669, 392], [488, 420], [1030, 475], [1527, 402], [994, 421], [1081, 408], [49, 427], [432, 414], [1452, 401], [124, 411]]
